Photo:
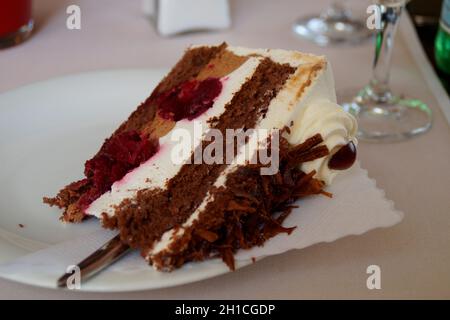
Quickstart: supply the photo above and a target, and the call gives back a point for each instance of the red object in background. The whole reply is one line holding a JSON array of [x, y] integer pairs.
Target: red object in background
[[14, 14]]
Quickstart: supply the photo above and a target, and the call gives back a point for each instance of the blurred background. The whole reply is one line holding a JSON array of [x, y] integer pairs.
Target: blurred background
[[112, 30], [425, 15], [73, 36]]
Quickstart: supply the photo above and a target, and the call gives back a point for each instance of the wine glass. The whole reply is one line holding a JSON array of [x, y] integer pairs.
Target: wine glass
[[335, 25], [382, 115]]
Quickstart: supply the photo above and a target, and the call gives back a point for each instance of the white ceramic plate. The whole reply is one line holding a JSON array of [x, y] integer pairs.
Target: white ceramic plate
[[47, 131]]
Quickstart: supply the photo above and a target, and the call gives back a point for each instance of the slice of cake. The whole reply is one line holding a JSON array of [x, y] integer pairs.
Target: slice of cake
[[172, 203]]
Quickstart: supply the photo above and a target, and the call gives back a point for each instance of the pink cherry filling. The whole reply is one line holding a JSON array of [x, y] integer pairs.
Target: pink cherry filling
[[189, 99], [119, 155], [127, 150]]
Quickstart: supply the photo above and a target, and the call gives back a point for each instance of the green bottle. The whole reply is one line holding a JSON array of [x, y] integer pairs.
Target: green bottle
[[442, 44]]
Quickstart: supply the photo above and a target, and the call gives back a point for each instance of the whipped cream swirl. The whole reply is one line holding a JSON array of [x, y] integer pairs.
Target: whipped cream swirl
[[336, 126]]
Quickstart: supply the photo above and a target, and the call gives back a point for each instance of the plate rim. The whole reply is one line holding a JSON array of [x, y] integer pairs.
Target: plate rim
[[135, 285]]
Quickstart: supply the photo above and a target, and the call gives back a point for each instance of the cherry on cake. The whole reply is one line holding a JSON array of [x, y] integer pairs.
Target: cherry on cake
[[187, 210]]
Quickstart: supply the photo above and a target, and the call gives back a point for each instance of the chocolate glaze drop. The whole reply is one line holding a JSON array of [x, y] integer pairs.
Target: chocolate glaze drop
[[343, 158]]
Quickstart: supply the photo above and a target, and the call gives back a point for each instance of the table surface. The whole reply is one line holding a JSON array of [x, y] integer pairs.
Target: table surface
[[414, 255]]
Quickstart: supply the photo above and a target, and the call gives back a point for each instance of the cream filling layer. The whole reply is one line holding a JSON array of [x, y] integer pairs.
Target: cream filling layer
[[315, 111], [286, 107], [155, 172], [173, 234]]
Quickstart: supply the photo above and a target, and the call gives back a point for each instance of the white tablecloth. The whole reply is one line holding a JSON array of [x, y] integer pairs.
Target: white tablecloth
[[414, 256]]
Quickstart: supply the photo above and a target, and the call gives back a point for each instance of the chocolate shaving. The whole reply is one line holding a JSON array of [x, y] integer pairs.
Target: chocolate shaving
[[154, 211], [207, 235], [308, 144], [249, 209], [243, 206]]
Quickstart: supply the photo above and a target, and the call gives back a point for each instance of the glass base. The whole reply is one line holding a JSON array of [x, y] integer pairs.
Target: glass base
[[332, 30], [389, 118], [16, 37]]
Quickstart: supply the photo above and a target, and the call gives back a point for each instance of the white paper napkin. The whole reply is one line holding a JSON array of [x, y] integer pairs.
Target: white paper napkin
[[357, 207]]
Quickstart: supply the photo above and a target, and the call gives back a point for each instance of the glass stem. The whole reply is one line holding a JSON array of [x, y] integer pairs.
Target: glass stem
[[384, 44]]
